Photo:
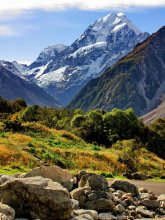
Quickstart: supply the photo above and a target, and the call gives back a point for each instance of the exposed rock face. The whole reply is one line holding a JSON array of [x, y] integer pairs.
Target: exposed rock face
[[37, 198], [137, 80], [125, 186]]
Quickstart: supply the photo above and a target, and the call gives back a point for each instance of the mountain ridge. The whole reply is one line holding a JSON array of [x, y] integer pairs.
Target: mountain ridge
[[12, 86], [101, 45], [128, 83]]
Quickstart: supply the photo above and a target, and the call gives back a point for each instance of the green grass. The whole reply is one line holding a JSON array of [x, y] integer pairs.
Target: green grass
[[39, 145]]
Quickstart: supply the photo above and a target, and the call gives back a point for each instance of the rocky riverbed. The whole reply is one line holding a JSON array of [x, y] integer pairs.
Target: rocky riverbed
[[50, 193]]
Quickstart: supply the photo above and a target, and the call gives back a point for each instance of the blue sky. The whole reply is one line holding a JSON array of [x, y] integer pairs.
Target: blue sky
[[24, 34]]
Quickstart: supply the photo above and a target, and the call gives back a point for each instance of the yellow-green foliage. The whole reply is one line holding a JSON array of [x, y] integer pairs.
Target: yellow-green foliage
[[41, 145]]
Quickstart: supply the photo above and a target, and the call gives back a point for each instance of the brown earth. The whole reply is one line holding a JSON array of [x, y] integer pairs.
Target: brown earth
[[156, 187]]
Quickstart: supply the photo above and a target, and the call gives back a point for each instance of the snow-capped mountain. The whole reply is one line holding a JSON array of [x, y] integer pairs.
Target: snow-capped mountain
[[20, 67], [10, 67], [12, 86], [136, 81], [15, 67], [48, 54], [62, 71]]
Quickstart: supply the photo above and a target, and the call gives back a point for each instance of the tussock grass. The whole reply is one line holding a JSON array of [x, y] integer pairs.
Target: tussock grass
[[37, 145]]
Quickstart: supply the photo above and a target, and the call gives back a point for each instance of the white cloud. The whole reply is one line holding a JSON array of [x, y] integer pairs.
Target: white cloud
[[6, 31], [21, 5]]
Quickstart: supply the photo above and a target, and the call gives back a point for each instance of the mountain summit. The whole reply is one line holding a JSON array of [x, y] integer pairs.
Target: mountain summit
[[62, 71], [137, 80]]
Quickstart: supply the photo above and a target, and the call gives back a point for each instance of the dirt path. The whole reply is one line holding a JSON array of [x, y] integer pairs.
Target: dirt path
[[156, 187]]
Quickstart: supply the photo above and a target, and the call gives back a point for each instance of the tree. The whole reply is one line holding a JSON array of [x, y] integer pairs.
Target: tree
[[30, 113], [5, 106]]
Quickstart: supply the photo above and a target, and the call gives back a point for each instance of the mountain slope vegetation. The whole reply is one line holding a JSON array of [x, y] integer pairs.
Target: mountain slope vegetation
[[32, 136], [137, 80]]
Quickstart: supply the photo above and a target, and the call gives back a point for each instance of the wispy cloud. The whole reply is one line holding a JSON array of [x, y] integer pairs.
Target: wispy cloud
[[23, 5], [6, 31]]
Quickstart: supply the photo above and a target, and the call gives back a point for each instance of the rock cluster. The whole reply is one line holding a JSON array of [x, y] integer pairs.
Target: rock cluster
[[90, 198]]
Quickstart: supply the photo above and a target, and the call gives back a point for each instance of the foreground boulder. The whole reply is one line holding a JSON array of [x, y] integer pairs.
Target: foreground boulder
[[37, 198], [94, 181], [6, 212], [54, 173], [126, 187]]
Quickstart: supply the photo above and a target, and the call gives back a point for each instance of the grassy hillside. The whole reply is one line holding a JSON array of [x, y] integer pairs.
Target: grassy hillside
[[97, 141], [40, 145]]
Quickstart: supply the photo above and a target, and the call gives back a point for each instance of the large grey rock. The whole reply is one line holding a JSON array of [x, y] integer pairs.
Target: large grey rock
[[93, 199], [125, 186], [94, 181], [139, 176], [152, 204], [6, 212], [54, 173], [37, 198]]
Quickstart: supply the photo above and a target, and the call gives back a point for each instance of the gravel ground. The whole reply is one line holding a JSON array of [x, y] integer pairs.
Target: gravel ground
[[156, 187]]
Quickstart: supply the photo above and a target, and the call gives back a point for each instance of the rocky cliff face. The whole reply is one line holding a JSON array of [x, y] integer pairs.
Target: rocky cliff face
[[12, 86], [62, 71], [156, 113], [137, 80]]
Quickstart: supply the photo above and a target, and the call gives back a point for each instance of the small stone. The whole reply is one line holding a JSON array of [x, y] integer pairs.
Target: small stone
[[152, 204], [153, 196], [133, 213], [161, 211], [161, 197], [6, 212], [82, 217], [107, 216], [145, 213], [144, 195], [162, 204], [112, 189], [131, 207], [143, 190], [81, 212], [127, 196], [129, 201], [121, 217], [75, 204], [120, 208]]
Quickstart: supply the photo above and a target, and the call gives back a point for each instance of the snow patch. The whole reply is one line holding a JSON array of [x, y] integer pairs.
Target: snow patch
[[85, 50], [54, 76], [118, 27]]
